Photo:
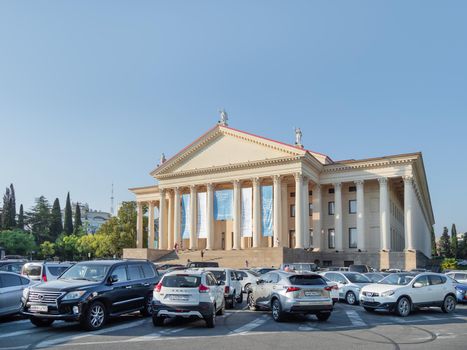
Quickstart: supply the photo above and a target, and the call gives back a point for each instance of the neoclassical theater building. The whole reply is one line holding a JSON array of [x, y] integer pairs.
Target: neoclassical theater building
[[239, 196]]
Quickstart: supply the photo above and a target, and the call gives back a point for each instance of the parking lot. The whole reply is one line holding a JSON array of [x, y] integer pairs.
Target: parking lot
[[349, 327]]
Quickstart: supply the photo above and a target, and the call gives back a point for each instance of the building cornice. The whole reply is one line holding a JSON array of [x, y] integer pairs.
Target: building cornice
[[371, 163]]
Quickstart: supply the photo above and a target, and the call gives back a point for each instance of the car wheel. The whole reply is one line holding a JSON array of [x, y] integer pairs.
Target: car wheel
[[41, 322], [240, 298], [277, 313], [350, 298], [157, 321], [449, 304], [251, 302], [230, 303], [246, 289], [147, 311], [323, 316], [95, 316], [369, 309], [403, 307], [211, 320], [222, 309]]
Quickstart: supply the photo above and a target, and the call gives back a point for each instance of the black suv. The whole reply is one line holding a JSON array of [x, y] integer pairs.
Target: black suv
[[92, 291]]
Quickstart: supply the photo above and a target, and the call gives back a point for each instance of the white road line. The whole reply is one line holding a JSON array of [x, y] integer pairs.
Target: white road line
[[17, 333], [251, 325], [57, 341], [355, 318]]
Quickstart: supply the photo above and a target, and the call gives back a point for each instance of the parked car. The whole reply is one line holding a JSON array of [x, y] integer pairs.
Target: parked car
[[188, 294], [336, 268], [228, 278], [249, 277], [461, 290], [459, 276], [92, 291], [12, 265], [299, 267], [11, 290], [263, 270], [360, 268], [375, 277], [194, 264], [286, 293], [44, 271], [334, 290], [349, 284], [403, 292]]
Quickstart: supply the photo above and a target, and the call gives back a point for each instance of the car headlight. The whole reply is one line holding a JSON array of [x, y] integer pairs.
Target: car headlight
[[460, 290], [74, 295], [388, 293], [25, 293]]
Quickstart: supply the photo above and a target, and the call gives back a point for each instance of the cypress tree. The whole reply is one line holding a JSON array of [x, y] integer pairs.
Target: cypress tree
[[56, 226], [20, 223], [454, 242], [38, 220], [6, 212], [445, 244], [78, 222], [12, 206], [68, 222], [434, 251]]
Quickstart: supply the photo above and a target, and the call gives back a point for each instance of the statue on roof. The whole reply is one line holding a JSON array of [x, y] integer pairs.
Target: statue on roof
[[162, 161], [224, 118], [298, 137]]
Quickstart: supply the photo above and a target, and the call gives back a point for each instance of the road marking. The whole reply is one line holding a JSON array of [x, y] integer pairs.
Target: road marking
[[57, 341], [355, 318], [26, 331], [251, 325]]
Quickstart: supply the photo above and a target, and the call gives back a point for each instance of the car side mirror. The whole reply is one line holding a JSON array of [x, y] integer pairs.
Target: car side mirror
[[113, 279], [344, 282], [240, 279], [259, 281], [418, 285]]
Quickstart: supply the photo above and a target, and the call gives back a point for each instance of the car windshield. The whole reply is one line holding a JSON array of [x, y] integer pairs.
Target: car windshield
[[356, 278], [220, 275], [86, 272], [181, 281], [307, 280], [398, 279], [254, 273], [57, 270]]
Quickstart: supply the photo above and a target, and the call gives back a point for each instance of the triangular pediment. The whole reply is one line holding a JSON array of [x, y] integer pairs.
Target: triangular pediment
[[223, 146]]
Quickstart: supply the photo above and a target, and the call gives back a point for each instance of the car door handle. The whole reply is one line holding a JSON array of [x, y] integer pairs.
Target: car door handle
[[128, 287], [146, 284]]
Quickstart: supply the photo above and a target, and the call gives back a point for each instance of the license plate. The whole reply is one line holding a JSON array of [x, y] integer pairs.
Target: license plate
[[312, 294], [38, 308], [368, 299], [179, 297]]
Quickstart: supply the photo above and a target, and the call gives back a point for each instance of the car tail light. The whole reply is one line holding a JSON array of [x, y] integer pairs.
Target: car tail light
[[158, 287], [292, 289], [328, 288], [227, 290], [44, 276], [203, 289]]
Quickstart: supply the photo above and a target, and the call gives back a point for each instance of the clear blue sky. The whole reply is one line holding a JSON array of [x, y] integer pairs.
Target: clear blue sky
[[93, 91]]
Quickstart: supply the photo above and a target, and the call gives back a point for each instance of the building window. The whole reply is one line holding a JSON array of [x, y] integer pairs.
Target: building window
[[352, 189], [352, 237], [310, 193], [331, 190], [310, 209], [292, 194], [352, 206], [331, 239], [311, 237], [331, 208], [292, 210], [327, 263]]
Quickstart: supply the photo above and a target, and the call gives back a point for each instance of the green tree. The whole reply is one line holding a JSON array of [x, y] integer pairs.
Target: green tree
[[68, 222], [454, 242], [463, 247], [47, 249], [17, 242], [7, 223], [56, 226], [20, 223], [66, 247], [77, 223], [12, 206], [445, 244], [38, 220], [434, 251], [449, 264]]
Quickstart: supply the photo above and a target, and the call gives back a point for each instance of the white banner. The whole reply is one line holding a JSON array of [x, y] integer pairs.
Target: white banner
[[186, 215], [201, 223], [246, 228]]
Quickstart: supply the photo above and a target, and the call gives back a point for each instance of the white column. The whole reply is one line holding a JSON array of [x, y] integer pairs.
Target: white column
[[408, 204], [317, 217], [306, 214], [236, 214], [151, 225], [338, 229], [284, 238], [177, 217], [139, 225], [360, 215], [210, 217], [170, 222], [256, 213], [299, 211], [277, 211], [193, 217], [384, 222], [162, 221]]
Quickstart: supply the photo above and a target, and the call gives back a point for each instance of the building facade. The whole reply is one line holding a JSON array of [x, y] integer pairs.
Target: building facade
[[243, 192]]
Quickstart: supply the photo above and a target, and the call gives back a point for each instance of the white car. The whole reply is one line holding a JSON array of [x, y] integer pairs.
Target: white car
[[459, 276], [334, 289], [233, 292], [188, 294], [44, 271], [349, 284], [249, 278], [403, 292]]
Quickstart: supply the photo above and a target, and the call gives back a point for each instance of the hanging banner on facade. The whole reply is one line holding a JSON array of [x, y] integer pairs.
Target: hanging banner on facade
[[266, 210], [246, 223], [201, 222], [186, 216], [223, 205]]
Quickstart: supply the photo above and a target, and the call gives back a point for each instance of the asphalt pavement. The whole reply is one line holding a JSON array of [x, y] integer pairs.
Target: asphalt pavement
[[350, 327]]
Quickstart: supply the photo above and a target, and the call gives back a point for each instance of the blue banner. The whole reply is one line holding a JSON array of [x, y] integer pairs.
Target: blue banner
[[223, 205], [266, 210], [186, 216]]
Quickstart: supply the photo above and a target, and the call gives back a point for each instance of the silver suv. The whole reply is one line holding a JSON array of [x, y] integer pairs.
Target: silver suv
[[232, 284], [284, 292], [44, 271]]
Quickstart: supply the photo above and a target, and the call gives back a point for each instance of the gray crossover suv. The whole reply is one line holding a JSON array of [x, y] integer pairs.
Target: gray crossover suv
[[284, 292]]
